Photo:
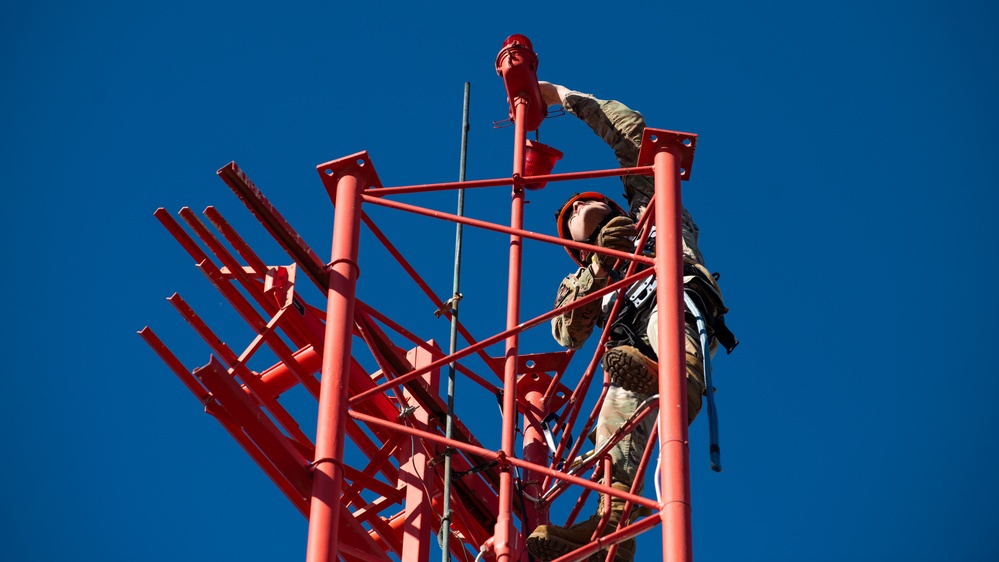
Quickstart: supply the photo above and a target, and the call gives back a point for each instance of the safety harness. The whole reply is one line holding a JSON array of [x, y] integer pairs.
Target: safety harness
[[640, 298]]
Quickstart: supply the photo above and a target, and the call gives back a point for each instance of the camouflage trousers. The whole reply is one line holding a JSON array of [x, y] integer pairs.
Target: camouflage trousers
[[620, 404]]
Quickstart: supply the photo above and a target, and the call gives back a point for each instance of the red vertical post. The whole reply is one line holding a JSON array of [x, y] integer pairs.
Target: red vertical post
[[504, 520], [673, 445], [330, 438], [415, 474], [535, 451]]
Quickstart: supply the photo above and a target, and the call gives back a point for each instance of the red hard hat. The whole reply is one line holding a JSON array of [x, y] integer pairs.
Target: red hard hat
[[562, 218]]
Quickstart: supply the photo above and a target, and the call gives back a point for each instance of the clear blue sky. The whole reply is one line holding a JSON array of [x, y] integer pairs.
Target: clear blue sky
[[844, 185]]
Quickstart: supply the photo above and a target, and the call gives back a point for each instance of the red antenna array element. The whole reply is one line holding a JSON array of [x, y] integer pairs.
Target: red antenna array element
[[517, 63], [382, 501]]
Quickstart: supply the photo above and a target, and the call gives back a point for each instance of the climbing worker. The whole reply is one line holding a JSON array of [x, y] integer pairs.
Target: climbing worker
[[630, 359]]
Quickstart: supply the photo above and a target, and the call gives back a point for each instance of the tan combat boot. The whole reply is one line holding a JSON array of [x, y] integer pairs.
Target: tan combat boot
[[549, 542], [631, 369]]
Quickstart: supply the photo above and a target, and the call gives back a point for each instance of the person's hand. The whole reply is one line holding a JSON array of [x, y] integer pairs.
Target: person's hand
[[552, 94], [618, 234]]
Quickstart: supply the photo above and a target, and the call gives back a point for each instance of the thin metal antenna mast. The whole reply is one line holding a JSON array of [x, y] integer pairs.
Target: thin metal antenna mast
[[455, 297]]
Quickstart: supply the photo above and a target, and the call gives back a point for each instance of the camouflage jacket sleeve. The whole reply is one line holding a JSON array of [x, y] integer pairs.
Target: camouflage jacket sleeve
[[571, 329], [621, 128]]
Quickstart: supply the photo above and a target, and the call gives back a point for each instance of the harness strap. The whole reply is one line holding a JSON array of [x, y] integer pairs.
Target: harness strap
[[549, 426], [719, 330], [724, 335], [697, 282]]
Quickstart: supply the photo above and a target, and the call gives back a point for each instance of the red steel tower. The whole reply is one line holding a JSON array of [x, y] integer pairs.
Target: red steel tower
[[384, 500]]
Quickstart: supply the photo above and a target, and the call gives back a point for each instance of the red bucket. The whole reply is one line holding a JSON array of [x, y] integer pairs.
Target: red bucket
[[539, 160]]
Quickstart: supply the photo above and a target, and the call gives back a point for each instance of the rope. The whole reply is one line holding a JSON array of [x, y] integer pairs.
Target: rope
[[714, 450]]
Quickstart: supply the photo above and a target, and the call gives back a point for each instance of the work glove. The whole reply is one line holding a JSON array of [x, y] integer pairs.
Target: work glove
[[618, 234], [552, 94]]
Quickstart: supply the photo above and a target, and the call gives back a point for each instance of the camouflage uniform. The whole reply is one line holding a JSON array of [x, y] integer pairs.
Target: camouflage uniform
[[622, 129]]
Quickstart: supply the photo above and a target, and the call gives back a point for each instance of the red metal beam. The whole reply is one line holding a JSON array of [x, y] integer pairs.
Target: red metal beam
[[414, 473], [245, 412], [506, 229], [330, 439], [272, 220], [671, 152], [499, 456], [505, 541], [474, 184]]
